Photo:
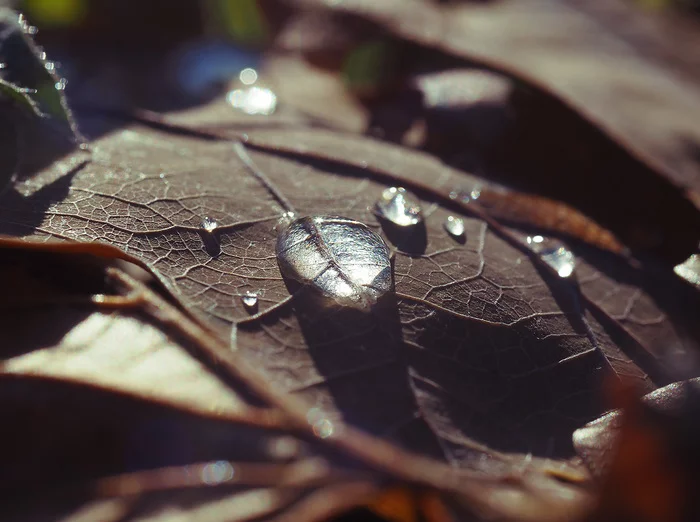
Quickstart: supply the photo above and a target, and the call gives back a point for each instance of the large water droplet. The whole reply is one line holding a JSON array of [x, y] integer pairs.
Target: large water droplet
[[250, 302], [560, 258], [341, 258], [455, 227], [253, 100], [209, 224], [400, 207]]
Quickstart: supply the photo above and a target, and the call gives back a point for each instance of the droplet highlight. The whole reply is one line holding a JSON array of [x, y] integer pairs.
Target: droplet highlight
[[209, 224], [689, 269], [248, 76], [253, 100], [320, 424], [250, 302], [400, 207], [340, 258], [557, 256], [216, 473], [455, 227], [466, 195]]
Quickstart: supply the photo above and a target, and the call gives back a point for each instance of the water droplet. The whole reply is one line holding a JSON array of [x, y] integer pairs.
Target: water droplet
[[560, 258], [209, 224], [61, 84], [689, 269], [50, 66], [533, 241], [320, 424], [253, 100], [341, 258], [248, 76], [400, 207], [466, 195], [250, 302], [217, 473], [455, 227]]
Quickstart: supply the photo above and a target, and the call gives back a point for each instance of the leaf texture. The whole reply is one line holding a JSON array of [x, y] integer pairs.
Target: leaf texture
[[506, 330]]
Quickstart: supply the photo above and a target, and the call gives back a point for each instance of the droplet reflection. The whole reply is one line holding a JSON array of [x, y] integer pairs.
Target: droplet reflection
[[341, 258], [253, 100], [217, 473], [321, 425], [560, 258], [689, 269], [248, 76], [209, 224], [400, 207], [250, 302], [466, 195], [455, 227]]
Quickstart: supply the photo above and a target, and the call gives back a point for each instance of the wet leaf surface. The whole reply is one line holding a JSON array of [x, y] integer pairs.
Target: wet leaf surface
[[471, 324], [506, 330]]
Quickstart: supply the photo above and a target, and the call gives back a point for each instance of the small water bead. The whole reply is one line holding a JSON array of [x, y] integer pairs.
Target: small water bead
[[250, 302], [400, 207], [341, 258], [209, 224], [253, 100], [321, 425], [560, 258], [689, 269], [535, 242], [466, 195], [216, 473], [455, 227]]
